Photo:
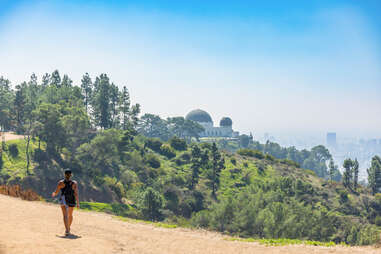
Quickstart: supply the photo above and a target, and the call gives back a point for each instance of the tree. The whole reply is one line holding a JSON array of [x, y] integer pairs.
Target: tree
[[334, 173], [76, 125], [125, 104], [183, 128], [114, 106], [348, 173], [217, 164], [355, 174], [45, 80], [66, 81], [244, 140], [151, 204], [332, 168], [19, 106], [52, 132], [374, 175], [86, 88], [196, 163], [154, 127], [6, 100], [178, 144], [55, 79], [101, 103]]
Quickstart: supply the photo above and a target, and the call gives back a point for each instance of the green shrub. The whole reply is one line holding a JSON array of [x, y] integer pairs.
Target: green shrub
[[270, 157], [343, 194], [13, 150], [251, 153], [378, 221], [178, 144], [167, 151], [290, 163], [233, 161], [153, 161], [154, 144], [151, 204]]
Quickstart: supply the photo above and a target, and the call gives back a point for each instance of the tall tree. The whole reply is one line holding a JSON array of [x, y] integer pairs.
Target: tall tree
[[331, 169], [374, 175], [51, 131], [101, 103], [6, 100], [355, 174], [45, 80], [154, 127], [55, 79], [125, 104], [217, 164], [114, 105], [19, 106], [348, 173], [87, 88], [66, 81], [196, 164]]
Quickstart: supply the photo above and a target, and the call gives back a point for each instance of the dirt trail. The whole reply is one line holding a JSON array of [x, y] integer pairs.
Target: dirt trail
[[36, 227], [11, 136]]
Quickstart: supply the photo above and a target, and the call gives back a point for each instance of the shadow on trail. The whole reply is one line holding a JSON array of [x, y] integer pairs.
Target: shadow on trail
[[71, 236]]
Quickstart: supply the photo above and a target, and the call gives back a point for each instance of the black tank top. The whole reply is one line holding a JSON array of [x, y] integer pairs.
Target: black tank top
[[68, 191]]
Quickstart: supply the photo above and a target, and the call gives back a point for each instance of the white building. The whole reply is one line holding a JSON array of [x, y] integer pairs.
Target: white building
[[205, 120]]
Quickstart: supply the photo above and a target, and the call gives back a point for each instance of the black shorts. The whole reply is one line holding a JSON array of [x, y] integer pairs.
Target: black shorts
[[66, 203]]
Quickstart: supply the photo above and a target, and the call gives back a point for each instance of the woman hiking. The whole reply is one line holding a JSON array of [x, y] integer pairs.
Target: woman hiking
[[68, 199]]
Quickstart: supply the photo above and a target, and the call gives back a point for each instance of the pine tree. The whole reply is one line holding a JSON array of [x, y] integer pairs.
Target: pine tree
[[19, 106], [55, 79], [101, 103], [332, 169], [87, 88], [114, 105], [66, 81], [195, 166], [374, 175], [125, 107], [45, 79], [355, 174], [218, 163], [348, 173]]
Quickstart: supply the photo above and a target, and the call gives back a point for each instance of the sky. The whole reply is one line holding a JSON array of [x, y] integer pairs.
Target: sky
[[283, 67]]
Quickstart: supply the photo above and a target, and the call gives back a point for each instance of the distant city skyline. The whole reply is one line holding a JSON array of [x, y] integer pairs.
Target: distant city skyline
[[301, 68]]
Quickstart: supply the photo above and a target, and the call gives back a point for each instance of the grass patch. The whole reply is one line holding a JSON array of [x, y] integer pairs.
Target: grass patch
[[116, 209], [122, 212], [156, 224], [283, 241], [15, 166]]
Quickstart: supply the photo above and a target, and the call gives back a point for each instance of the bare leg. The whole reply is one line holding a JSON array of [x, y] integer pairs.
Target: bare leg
[[65, 218], [70, 216]]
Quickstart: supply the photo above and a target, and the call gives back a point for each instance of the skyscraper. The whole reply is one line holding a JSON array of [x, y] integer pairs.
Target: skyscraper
[[331, 139]]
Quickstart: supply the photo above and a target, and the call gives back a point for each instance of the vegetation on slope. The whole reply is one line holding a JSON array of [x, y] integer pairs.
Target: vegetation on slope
[[95, 131]]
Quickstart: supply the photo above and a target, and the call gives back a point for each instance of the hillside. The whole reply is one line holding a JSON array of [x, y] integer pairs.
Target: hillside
[[255, 195], [36, 227]]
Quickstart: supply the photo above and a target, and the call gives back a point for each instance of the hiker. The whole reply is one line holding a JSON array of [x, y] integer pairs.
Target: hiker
[[68, 198]]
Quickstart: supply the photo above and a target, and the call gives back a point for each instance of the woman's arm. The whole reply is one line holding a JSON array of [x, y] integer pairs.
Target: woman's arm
[[75, 187], [59, 186]]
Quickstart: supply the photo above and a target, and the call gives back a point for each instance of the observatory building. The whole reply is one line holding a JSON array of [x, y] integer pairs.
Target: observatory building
[[205, 120]]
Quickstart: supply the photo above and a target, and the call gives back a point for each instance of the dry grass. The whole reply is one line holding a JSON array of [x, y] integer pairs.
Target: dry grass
[[18, 192]]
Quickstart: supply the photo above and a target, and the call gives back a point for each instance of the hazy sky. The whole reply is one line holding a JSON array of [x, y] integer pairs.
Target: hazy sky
[[279, 66]]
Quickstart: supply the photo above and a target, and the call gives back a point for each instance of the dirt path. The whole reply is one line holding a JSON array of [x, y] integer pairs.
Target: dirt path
[[36, 227], [11, 136]]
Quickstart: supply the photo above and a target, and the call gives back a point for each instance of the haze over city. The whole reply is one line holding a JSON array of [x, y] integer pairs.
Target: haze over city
[[287, 69]]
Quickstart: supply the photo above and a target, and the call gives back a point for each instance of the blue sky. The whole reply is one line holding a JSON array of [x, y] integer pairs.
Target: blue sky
[[273, 66]]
